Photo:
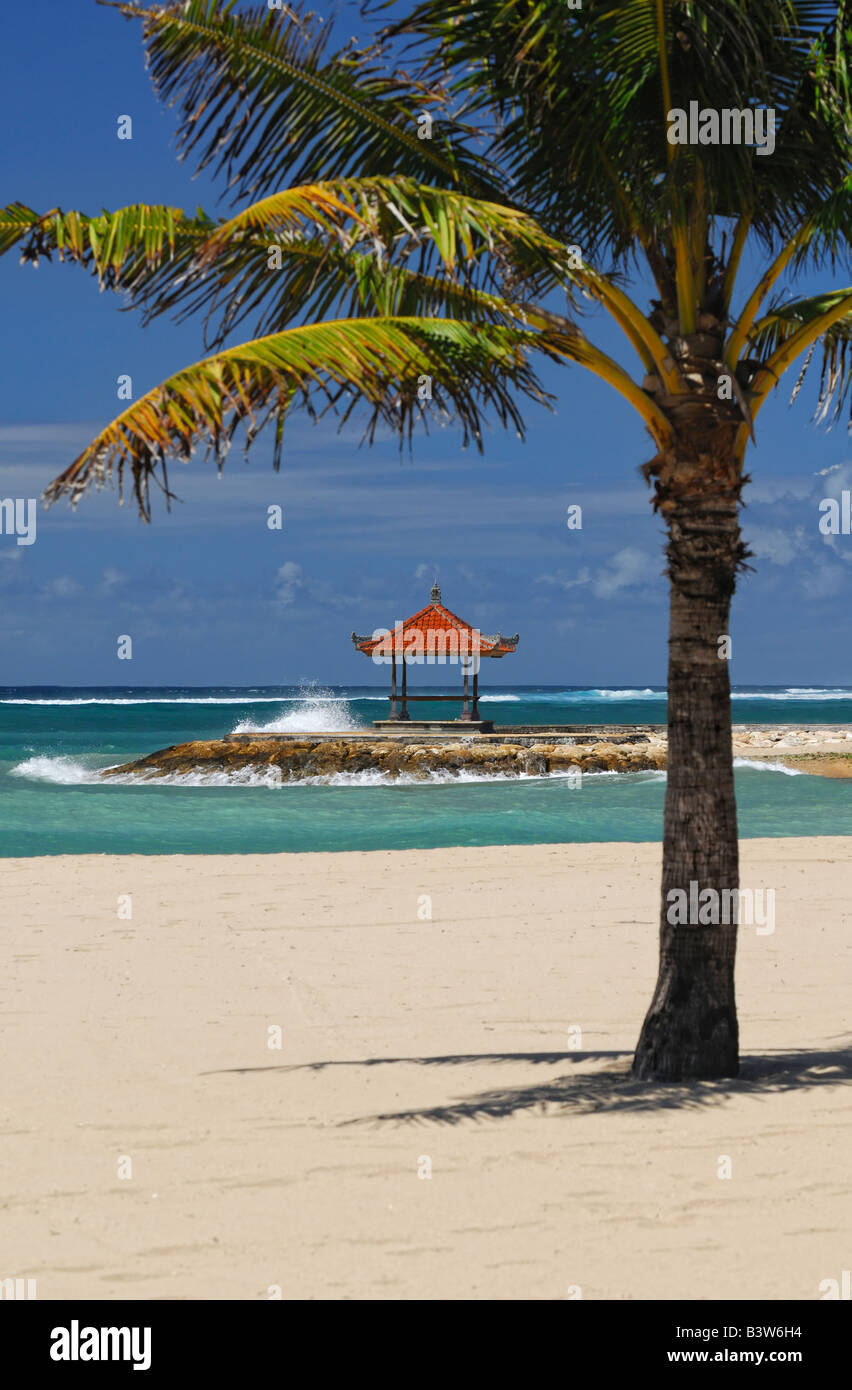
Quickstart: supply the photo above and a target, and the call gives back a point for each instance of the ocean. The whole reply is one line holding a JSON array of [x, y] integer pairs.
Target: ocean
[[54, 741]]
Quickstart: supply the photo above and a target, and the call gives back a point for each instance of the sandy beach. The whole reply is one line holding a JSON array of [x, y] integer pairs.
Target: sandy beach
[[155, 1146], [256, 1168]]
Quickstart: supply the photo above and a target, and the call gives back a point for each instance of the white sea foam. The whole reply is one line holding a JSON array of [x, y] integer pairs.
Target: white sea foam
[[590, 695], [759, 766], [646, 694], [602, 693], [70, 772], [368, 777], [269, 777], [314, 711], [65, 771], [568, 697], [794, 693], [161, 700]]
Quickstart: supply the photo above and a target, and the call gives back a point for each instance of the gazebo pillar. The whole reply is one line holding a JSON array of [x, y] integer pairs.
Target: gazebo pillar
[[393, 711], [465, 711], [403, 714], [475, 712]]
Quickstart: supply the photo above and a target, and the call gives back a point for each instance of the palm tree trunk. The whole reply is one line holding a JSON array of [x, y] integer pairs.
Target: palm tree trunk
[[691, 1027]]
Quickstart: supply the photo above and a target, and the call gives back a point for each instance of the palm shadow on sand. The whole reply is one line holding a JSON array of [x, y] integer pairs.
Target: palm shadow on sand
[[608, 1089]]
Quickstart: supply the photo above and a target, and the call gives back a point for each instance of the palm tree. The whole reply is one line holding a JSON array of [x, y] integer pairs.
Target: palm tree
[[398, 227]]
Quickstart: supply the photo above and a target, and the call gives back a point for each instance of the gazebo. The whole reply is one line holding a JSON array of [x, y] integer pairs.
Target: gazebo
[[434, 634]]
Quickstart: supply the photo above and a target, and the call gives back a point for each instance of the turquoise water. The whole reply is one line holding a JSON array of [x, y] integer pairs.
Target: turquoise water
[[52, 742]]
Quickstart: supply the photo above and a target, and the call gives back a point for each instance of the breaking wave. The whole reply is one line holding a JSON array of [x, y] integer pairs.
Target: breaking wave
[[72, 773], [759, 766], [239, 699], [66, 772], [795, 692], [314, 711], [369, 777]]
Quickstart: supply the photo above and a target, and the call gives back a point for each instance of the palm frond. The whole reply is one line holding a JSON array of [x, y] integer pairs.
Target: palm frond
[[386, 246], [316, 280], [786, 317], [122, 248], [380, 244], [386, 210], [580, 127], [395, 226], [262, 102], [826, 239], [792, 328], [394, 220], [382, 363], [835, 381], [358, 246]]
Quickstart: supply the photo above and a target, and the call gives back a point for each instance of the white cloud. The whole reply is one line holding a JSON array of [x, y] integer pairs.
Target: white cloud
[[768, 490], [62, 587], [288, 581], [772, 544], [629, 566], [823, 581], [562, 579], [112, 579], [836, 479]]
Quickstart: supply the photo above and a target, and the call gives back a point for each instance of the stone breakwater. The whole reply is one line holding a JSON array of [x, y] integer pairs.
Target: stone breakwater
[[823, 751], [826, 751], [306, 756]]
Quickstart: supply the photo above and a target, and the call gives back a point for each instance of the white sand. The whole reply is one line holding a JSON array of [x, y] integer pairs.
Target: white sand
[[148, 1039]]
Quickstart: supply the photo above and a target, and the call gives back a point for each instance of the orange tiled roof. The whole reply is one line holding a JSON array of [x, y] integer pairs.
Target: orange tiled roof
[[435, 628]]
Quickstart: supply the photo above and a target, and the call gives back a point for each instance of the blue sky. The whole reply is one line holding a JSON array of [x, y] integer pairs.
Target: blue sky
[[210, 595]]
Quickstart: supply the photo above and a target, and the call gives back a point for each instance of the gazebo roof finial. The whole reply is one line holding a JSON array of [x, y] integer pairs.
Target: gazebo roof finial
[[435, 595]]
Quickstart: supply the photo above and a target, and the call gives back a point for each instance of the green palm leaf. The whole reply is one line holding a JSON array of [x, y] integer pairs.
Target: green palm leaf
[[386, 246], [782, 323], [262, 103], [382, 363], [581, 129], [122, 248]]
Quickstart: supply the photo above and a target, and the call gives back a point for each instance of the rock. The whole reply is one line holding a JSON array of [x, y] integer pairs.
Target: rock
[[534, 762], [310, 757]]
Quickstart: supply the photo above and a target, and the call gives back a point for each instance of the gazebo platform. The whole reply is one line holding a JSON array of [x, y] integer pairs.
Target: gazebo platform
[[434, 726]]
